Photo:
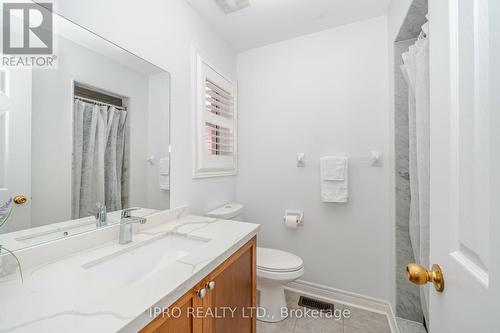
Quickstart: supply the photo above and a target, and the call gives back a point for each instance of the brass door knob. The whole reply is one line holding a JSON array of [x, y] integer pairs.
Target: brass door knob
[[20, 199], [418, 274]]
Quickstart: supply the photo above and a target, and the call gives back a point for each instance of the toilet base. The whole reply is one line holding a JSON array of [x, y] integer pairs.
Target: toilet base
[[272, 301]]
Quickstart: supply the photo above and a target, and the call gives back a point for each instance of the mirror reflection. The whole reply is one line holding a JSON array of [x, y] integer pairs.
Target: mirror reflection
[[76, 143]]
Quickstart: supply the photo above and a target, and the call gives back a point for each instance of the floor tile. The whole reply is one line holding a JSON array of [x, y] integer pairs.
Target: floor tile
[[360, 321], [292, 301], [318, 325], [366, 321], [349, 329]]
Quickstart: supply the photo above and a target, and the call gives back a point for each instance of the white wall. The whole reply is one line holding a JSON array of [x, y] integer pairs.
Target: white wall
[[322, 94], [159, 137], [164, 32], [395, 17], [52, 126]]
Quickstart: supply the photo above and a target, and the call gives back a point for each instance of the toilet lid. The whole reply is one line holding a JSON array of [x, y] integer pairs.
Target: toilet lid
[[277, 260]]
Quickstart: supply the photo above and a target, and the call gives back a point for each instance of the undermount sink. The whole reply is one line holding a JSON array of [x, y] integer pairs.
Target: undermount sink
[[135, 263]]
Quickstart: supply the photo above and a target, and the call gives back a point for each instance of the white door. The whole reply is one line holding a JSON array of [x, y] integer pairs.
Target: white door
[[465, 164], [15, 144]]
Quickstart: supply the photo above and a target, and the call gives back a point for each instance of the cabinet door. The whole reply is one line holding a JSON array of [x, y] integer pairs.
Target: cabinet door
[[178, 319], [234, 289]]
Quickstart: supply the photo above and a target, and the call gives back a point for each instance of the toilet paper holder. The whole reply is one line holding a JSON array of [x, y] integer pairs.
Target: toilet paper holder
[[299, 214]]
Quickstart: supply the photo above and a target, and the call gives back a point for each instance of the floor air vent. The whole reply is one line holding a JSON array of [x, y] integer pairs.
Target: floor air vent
[[315, 304]]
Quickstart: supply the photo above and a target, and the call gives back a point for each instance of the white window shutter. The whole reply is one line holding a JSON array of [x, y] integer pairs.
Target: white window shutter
[[215, 130]]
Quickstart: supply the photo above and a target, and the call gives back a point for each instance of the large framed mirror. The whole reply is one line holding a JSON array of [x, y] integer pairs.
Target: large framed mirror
[[89, 135]]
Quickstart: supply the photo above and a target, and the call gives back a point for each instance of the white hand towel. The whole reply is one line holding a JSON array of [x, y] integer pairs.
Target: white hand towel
[[333, 167], [164, 166], [164, 182], [164, 173], [334, 179]]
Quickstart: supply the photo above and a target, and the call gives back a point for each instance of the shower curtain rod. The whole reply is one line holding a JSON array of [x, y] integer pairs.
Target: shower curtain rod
[[100, 103]]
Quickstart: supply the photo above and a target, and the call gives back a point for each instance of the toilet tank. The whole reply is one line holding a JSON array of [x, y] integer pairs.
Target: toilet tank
[[230, 211]]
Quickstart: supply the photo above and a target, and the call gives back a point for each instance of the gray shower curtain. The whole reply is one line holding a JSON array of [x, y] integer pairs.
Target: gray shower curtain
[[100, 158]]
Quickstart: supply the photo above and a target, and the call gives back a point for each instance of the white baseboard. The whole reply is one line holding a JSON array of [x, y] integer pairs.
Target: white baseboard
[[345, 297]]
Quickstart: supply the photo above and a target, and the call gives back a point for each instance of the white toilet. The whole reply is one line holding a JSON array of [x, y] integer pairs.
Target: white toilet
[[275, 268]]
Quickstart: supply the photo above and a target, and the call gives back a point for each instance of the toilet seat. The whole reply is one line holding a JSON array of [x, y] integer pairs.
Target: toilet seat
[[277, 261]]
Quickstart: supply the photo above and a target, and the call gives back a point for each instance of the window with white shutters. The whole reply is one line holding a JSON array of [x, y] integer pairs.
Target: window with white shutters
[[215, 123]]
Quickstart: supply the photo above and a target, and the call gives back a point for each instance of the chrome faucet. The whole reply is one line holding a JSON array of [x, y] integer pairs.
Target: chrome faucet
[[126, 225], [100, 215]]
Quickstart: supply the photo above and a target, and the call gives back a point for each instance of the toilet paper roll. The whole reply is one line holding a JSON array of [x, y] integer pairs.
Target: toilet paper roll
[[292, 221]]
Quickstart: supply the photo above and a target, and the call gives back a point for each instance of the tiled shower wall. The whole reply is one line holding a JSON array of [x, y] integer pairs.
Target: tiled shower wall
[[408, 305], [407, 294]]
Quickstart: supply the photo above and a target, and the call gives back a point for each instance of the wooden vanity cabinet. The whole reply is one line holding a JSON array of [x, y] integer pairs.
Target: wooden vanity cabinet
[[178, 322], [224, 300]]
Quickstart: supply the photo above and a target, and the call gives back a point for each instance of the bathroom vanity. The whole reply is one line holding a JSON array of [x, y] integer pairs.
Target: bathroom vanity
[[85, 197], [224, 301], [90, 283]]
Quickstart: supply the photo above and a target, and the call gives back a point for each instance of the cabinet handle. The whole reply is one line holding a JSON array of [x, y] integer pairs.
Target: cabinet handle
[[201, 293], [211, 285]]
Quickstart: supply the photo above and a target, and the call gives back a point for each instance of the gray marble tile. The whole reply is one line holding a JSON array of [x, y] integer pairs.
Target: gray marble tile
[[414, 20], [408, 304], [410, 307], [404, 252], [407, 326], [366, 321], [318, 325]]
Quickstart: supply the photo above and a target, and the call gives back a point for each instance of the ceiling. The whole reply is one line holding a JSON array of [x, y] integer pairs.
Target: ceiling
[[269, 21]]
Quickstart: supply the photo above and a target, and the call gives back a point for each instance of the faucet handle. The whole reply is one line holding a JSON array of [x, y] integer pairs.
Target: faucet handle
[[126, 212], [98, 210], [93, 212]]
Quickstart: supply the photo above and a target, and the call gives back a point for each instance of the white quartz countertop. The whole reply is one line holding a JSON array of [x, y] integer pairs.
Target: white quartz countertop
[[62, 296], [28, 237]]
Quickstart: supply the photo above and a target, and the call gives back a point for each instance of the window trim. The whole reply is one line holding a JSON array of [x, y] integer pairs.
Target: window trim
[[200, 170]]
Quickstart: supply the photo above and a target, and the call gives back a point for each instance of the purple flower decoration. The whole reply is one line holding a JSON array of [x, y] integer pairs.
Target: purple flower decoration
[[5, 206], [5, 211]]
